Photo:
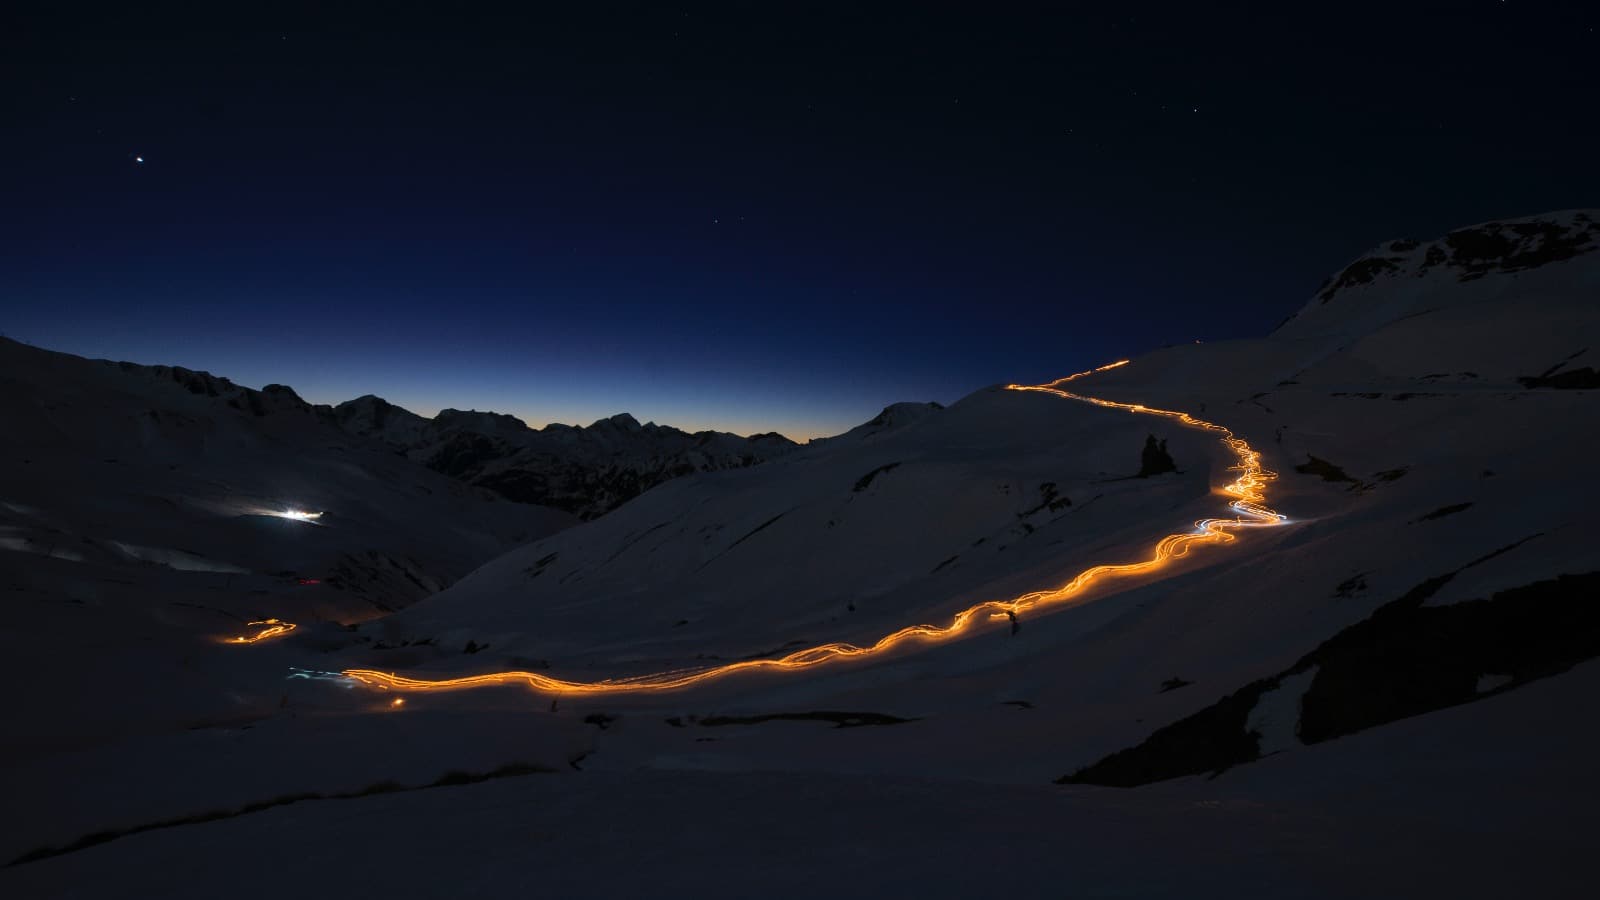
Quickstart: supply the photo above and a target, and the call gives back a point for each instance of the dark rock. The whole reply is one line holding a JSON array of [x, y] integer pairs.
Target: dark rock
[[1155, 460], [1404, 660], [1325, 470], [1583, 379], [866, 480], [1443, 511]]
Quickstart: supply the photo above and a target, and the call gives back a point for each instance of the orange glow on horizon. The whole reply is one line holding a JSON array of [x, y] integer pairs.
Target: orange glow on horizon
[[1249, 506]]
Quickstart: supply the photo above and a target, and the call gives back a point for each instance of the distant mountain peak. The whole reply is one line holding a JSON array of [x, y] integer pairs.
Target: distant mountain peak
[[487, 422], [620, 420]]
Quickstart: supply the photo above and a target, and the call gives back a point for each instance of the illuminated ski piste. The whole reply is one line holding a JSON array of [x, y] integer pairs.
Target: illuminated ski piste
[[1249, 506]]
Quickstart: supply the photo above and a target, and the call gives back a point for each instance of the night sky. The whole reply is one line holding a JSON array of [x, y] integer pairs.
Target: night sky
[[756, 219]]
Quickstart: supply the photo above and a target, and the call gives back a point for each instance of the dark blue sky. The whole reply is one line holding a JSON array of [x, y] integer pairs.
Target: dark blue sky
[[748, 220]]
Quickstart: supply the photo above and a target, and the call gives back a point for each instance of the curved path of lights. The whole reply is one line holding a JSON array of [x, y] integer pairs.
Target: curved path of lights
[[1249, 508], [267, 629]]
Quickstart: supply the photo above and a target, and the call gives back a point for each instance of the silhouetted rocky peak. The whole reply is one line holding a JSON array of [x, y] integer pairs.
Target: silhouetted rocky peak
[[373, 411], [271, 399], [375, 417], [1471, 253], [482, 422], [200, 383], [620, 421]]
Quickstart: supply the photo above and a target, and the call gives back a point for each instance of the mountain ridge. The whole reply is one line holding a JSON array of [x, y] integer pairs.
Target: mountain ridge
[[583, 470]]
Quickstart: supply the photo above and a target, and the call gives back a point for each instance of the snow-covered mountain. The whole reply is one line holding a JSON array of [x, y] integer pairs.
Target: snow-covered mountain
[[117, 464], [1383, 696], [141, 512], [585, 471]]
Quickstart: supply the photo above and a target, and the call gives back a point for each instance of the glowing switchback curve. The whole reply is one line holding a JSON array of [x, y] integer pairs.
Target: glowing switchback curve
[[1249, 506], [269, 628]]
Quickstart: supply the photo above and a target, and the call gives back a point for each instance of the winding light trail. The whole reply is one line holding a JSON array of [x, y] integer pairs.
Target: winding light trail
[[1249, 506], [270, 628]]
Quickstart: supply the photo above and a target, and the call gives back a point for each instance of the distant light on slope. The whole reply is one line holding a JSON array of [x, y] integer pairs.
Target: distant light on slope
[[268, 628], [299, 516]]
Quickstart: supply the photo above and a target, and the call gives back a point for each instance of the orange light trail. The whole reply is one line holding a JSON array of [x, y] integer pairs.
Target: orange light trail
[[270, 628], [1249, 505]]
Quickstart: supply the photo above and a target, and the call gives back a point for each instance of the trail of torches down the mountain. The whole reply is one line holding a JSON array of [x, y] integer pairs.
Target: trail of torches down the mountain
[[1249, 506], [269, 628]]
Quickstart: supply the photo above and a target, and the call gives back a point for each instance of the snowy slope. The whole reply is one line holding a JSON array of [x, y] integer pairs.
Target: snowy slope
[[1384, 815], [1391, 685], [843, 540], [138, 522]]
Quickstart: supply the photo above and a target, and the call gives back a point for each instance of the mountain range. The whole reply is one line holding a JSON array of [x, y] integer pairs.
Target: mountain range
[[584, 471]]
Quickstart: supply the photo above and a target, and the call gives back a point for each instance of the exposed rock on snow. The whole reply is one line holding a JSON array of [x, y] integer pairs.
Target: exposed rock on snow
[[1405, 660], [1275, 720], [1402, 277], [1155, 460]]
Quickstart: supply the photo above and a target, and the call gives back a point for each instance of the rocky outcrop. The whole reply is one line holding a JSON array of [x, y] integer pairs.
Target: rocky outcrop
[[271, 399], [1402, 277], [1154, 459], [1468, 254], [1406, 659]]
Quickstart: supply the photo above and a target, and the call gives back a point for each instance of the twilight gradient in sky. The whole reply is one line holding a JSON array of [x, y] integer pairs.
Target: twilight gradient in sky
[[755, 220]]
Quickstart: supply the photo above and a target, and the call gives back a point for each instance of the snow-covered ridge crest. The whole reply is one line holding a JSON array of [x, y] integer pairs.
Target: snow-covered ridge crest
[[894, 417], [1408, 275]]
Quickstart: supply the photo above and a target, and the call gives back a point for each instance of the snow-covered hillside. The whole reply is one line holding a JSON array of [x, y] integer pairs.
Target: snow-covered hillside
[[1384, 696], [141, 517], [112, 464], [585, 471]]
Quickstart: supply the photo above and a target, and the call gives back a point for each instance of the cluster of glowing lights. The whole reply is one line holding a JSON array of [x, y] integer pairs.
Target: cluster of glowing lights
[[299, 515], [267, 629], [1249, 507]]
